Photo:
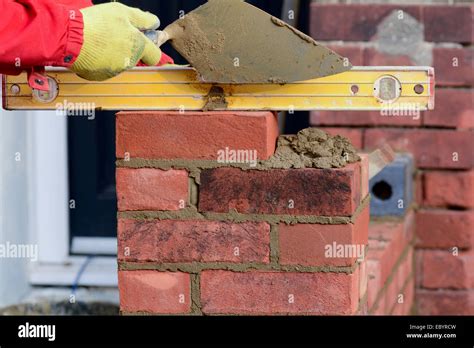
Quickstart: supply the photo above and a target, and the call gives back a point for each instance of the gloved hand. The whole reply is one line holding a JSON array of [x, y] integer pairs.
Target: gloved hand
[[113, 41]]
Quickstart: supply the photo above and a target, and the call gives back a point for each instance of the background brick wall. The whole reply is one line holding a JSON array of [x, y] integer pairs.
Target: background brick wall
[[390, 261], [197, 236], [442, 140], [390, 266]]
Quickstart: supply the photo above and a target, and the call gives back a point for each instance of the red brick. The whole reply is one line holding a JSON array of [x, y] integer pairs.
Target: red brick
[[375, 285], [329, 192], [379, 267], [224, 292], [439, 228], [454, 109], [168, 241], [151, 189], [354, 135], [448, 23], [405, 269], [194, 135], [391, 294], [387, 242], [442, 269], [409, 294], [445, 302], [363, 275], [372, 57], [355, 172], [419, 188], [419, 267], [405, 285], [365, 166], [351, 22], [307, 244], [449, 189], [409, 227], [396, 233], [385, 230], [361, 118], [398, 308], [453, 66], [354, 53], [431, 148], [363, 308], [154, 292], [379, 310]]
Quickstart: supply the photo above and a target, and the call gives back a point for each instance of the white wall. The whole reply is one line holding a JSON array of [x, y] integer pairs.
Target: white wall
[[14, 202]]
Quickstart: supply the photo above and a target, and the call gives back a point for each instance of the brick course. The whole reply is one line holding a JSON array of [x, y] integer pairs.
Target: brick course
[[152, 189], [169, 241], [155, 292], [279, 293], [201, 135], [448, 189], [326, 192], [445, 229], [314, 245]]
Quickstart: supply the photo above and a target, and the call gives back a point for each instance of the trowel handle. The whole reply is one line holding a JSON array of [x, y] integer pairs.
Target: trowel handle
[[157, 36]]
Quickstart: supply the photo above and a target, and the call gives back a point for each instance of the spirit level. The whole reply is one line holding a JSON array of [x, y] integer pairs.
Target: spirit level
[[178, 88]]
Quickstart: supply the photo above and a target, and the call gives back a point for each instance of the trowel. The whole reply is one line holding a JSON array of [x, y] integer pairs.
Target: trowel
[[233, 42]]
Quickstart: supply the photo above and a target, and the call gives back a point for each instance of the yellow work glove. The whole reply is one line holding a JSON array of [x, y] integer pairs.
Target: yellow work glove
[[113, 41]]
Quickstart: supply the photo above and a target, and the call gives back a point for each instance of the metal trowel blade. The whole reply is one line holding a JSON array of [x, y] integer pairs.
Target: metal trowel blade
[[233, 42]]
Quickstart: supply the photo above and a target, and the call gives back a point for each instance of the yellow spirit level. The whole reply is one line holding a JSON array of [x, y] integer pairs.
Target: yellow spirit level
[[178, 88]]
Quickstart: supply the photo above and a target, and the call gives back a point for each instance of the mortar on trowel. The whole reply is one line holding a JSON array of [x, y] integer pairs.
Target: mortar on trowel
[[233, 42]]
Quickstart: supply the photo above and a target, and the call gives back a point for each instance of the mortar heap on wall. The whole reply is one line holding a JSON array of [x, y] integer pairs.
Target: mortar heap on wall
[[201, 234]]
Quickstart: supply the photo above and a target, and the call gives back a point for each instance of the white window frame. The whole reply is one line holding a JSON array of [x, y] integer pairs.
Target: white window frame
[[49, 212]]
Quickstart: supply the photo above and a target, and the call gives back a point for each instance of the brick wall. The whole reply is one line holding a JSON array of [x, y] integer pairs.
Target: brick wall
[[390, 266], [442, 141], [198, 236], [390, 261]]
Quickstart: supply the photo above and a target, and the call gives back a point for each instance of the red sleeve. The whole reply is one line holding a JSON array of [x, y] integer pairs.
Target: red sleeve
[[39, 33]]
